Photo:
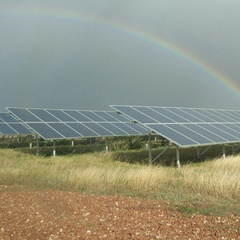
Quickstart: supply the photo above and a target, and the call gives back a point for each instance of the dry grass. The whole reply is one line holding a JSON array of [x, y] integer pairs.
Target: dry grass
[[219, 177], [212, 182]]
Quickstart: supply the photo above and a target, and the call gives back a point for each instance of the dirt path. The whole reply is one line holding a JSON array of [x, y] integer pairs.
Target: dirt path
[[69, 215]]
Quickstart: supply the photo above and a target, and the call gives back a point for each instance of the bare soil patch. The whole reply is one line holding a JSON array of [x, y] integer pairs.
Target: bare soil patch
[[71, 215]]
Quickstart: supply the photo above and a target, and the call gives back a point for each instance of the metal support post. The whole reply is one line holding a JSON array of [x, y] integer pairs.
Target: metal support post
[[106, 146], [224, 151], [198, 152], [178, 157], [205, 150], [37, 145], [149, 148], [54, 148], [159, 155], [106, 149]]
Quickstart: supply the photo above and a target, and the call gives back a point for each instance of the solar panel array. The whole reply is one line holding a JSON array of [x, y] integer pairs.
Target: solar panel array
[[187, 127], [10, 126], [72, 124]]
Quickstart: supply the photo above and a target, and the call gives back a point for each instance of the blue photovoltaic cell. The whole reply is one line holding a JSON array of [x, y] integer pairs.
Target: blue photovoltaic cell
[[43, 115], [61, 115], [98, 129], [230, 129], [83, 130], [94, 117], [114, 129], [6, 129], [20, 129], [233, 126], [207, 133], [45, 131], [185, 115], [195, 113], [236, 115], [184, 130], [134, 114], [154, 114], [6, 117], [224, 117], [208, 113], [237, 125], [138, 128], [78, 116], [171, 115], [218, 129], [65, 130], [169, 133], [119, 117], [10, 126], [127, 127], [106, 116], [231, 115], [24, 115]]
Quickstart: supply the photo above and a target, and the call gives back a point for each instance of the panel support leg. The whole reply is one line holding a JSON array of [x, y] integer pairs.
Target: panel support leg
[[54, 148], [106, 148], [37, 145], [159, 155], [178, 157], [149, 148], [224, 151], [198, 153]]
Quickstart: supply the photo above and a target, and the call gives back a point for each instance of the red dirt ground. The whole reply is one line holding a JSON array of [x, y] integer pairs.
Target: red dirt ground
[[69, 215]]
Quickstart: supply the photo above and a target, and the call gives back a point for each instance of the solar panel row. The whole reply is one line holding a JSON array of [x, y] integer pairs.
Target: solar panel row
[[59, 124], [187, 127], [146, 115], [60, 115]]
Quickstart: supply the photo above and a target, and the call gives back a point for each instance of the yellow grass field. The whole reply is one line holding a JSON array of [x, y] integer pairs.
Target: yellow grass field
[[209, 187]]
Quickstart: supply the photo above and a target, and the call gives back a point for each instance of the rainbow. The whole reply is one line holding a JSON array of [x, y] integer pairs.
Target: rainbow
[[136, 33]]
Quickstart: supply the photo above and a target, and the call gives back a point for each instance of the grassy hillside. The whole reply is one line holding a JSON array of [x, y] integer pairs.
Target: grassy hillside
[[210, 187]]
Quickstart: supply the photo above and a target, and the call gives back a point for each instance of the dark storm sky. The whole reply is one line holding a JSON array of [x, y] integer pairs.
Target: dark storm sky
[[51, 56]]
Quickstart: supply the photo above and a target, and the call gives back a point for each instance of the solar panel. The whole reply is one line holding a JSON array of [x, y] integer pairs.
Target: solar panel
[[83, 130], [100, 130], [61, 115], [171, 115], [43, 115], [106, 116], [24, 115], [5, 129], [93, 116], [65, 130], [187, 127], [190, 133], [172, 135], [114, 129], [67, 123], [10, 126], [197, 115], [20, 129], [7, 118], [129, 129], [77, 116], [118, 117], [45, 131]]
